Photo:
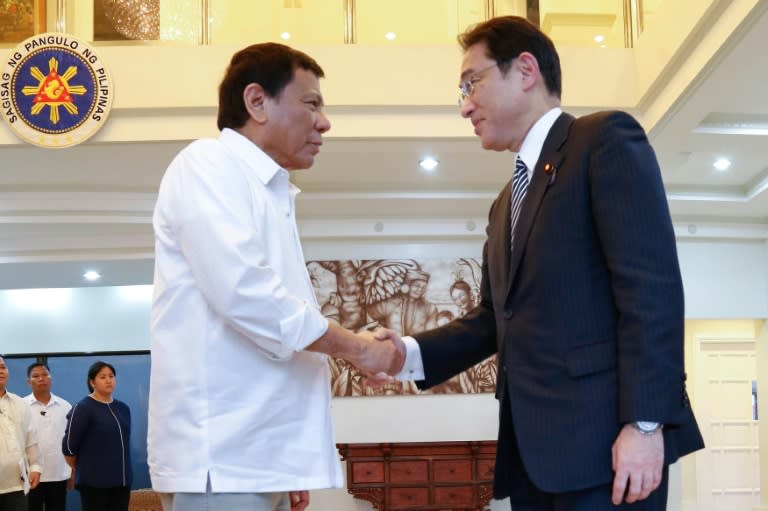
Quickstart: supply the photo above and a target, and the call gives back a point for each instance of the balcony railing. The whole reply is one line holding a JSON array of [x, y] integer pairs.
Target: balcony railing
[[585, 23]]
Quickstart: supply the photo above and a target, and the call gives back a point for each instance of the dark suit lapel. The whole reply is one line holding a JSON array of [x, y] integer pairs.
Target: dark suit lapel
[[543, 176], [499, 251]]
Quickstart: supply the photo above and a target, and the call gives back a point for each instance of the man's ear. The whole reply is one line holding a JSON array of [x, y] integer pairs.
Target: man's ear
[[254, 98], [529, 69]]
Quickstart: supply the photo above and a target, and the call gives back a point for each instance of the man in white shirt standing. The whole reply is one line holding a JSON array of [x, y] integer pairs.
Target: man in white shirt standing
[[19, 456], [239, 404], [49, 419]]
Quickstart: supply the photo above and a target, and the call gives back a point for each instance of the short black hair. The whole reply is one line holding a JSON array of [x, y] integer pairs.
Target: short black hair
[[271, 65], [506, 37], [94, 370], [36, 364]]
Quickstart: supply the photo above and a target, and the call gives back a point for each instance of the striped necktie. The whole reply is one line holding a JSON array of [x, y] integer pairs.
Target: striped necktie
[[519, 187]]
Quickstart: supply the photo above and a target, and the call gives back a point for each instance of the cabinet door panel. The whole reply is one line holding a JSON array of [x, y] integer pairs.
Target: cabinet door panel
[[404, 498], [409, 471], [452, 470], [454, 495], [368, 472], [485, 470]]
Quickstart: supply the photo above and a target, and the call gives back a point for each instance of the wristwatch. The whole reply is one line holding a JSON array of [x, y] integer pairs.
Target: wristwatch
[[646, 427]]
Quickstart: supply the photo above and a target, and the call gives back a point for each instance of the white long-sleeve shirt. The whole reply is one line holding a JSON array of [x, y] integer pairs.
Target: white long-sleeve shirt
[[49, 421], [19, 454], [232, 393]]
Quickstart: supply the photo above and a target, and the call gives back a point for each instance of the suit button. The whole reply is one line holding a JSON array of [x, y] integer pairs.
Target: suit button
[[504, 369], [508, 314]]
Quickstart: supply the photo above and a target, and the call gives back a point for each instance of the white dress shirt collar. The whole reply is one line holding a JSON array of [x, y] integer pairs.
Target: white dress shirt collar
[[262, 165], [31, 400], [260, 162], [530, 150]]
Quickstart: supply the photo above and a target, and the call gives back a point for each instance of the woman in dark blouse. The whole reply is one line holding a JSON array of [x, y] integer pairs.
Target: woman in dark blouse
[[96, 444]]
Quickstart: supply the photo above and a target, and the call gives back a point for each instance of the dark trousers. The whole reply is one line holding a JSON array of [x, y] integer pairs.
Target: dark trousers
[[13, 501], [104, 499], [525, 496], [592, 499], [48, 496]]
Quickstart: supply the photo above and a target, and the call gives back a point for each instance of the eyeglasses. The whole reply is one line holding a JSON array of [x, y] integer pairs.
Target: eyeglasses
[[467, 86]]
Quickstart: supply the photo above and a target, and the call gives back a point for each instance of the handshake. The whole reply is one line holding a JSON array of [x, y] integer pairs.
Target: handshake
[[378, 355], [381, 354]]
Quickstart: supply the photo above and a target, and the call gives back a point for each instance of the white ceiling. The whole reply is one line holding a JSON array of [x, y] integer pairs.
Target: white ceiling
[[90, 206]]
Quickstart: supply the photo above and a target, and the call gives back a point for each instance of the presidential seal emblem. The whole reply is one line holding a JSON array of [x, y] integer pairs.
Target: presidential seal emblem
[[55, 92]]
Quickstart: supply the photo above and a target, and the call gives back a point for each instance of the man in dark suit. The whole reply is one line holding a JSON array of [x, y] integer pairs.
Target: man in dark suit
[[581, 292]]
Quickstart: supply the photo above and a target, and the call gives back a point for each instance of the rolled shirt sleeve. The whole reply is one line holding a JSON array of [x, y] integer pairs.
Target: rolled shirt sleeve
[[299, 331]]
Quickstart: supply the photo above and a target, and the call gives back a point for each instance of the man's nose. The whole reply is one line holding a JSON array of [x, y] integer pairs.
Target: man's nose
[[323, 124], [467, 107]]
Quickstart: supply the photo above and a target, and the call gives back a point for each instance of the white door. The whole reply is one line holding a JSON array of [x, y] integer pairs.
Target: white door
[[728, 470]]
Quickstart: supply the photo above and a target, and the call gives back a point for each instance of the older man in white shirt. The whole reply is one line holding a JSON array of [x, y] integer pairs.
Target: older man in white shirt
[[239, 404], [49, 419], [19, 456]]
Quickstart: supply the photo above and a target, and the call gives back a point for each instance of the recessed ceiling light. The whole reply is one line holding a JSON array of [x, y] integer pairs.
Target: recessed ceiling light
[[285, 36], [599, 38], [390, 36], [91, 275], [722, 164], [429, 163]]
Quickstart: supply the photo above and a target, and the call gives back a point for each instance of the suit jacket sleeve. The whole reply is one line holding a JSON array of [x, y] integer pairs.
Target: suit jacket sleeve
[[635, 231], [448, 350]]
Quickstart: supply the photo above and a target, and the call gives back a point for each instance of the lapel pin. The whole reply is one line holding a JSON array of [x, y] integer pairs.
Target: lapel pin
[[551, 171]]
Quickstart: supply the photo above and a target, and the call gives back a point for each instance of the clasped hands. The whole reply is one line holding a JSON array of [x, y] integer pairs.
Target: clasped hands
[[381, 356]]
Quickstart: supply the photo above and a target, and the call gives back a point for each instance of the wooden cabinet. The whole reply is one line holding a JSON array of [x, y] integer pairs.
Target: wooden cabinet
[[445, 476], [144, 499]]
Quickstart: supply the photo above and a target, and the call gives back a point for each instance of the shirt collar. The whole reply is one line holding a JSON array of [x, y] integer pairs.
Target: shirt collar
[[530, 150], [32, 400], [257, 160]]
